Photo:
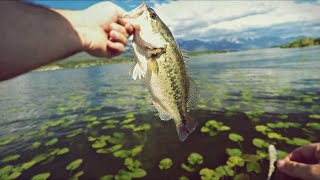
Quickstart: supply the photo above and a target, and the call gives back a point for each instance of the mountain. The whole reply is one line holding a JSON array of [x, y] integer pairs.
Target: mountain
[[234, 43]]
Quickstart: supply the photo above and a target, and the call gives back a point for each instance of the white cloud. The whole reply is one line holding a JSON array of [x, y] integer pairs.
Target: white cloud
[[209, 20]]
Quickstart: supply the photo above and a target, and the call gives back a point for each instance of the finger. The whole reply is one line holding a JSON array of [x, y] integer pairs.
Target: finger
[[114, 48], [295, 169], [119, 28], [118, 37], [129, 29]]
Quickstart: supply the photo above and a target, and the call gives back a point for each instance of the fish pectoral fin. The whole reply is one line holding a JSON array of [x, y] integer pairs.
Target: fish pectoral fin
[[164, 116], [137, 72], [153, 64], [184, 130], [193, 95]]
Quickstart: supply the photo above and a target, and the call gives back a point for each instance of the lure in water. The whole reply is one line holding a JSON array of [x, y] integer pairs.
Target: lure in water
[[161, 63], [272, 159]]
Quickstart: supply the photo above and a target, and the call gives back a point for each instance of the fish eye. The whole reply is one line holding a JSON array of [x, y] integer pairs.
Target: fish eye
[[152, 13]]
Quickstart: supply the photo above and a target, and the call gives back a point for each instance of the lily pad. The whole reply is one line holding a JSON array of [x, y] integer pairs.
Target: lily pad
[[253, 167], [52, 142], [63, 151], [138, 173], [313, 125], [123, 175], [260, 143], [42, 176], [165, 163], [28, 165], [206, 173], [300, 141], [10, 158], [224, 171], [183, 178], [195, 158], [7, 139], [241, 176], [235, 161], [233, 152], [314, 116], [107, 177], [250, 157], [74, 165], [235, 137]]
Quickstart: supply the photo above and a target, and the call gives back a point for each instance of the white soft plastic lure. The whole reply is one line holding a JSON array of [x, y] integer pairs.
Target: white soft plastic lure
[[272, 159]]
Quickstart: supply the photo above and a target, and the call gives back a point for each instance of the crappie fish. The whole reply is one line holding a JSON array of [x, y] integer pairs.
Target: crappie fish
[[272, 160], [161, 63]]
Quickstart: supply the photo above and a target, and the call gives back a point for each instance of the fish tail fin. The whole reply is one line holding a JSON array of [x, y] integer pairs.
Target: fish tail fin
[[184, 130]]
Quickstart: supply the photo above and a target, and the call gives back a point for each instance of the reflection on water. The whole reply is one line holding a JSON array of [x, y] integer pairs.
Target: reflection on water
[[100, 115]]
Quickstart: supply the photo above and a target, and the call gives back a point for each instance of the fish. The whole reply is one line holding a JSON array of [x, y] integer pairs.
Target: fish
[[272, 160], [162, 65]]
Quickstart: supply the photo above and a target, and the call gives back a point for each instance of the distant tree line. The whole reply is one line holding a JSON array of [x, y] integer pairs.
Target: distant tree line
[[302, 42]]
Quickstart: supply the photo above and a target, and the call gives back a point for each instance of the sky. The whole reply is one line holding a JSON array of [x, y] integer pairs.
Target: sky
[[217, 20]]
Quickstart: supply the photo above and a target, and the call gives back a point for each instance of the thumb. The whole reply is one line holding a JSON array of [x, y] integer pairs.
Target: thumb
[[295, 169]]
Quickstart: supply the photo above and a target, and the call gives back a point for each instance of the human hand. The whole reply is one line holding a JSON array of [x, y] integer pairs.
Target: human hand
[[102, 32], [303, 162]]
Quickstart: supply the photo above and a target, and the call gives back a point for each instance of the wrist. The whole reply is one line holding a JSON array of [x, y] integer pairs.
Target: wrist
[[76, 20]]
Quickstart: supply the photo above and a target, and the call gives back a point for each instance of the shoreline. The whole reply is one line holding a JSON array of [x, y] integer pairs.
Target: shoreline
[[71, 64]]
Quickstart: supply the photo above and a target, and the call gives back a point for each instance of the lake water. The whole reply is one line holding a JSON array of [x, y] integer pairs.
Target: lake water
[[103, 118]]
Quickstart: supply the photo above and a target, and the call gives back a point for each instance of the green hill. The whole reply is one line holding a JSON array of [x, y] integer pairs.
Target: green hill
[[302, 42]]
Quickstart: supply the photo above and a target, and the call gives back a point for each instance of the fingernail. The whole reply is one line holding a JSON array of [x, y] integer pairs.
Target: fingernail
[[280, 163]]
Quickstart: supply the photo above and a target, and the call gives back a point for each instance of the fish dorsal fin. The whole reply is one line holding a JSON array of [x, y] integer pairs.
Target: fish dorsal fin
[[184, 53], [165, 116], [193, 96], [185, 57]]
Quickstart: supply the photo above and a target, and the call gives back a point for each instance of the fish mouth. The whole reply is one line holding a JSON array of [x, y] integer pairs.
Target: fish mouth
[[135, 12]]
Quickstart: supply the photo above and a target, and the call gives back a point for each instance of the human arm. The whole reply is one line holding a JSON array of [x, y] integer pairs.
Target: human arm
[[32, 36], [303, 162]]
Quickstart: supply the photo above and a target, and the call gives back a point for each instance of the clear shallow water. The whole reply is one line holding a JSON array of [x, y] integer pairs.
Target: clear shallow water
[[242, 90]]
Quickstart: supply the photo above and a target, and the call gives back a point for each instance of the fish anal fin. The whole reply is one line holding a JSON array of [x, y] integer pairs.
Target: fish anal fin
[[165, 116], [184, 130], [193, 94]]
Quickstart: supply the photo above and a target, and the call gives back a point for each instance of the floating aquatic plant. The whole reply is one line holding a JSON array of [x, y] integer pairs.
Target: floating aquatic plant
[[241, 176], [76, 175], [213, 127], [313, 125], [106, 177], [42, 176], [253, 167], [263, 129], [165, 163], [109, 126], [183, 178], [74, 164], [7, 139], [235, 161], [233, 152], [52, 142], [235, 137], [260, 143], [62, 151], [314, 116], [206, 174], [143, 127], [10, 158], [250, 157], [298, 141], [195, 158], [75, 133], [122, 175]]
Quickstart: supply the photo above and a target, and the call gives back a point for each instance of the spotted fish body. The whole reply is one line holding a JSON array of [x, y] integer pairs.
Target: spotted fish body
[[171, 89]]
